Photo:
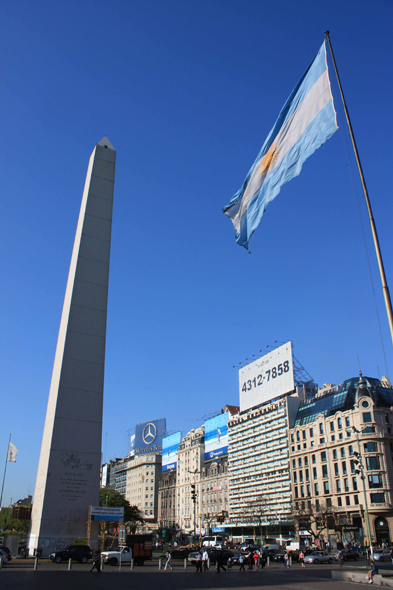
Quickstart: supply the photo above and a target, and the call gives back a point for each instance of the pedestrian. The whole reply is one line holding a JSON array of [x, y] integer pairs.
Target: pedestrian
[[199, 562], [97, 562], [301, 558], [286, 560], [241, 561], [340, 557], [220, 562], [168, 557], [205, 560], [372, 572], [249, 560], [256, 560], [327, 546]]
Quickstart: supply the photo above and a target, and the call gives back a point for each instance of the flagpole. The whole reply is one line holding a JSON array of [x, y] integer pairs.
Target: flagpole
[[385, 288], [5, 469]]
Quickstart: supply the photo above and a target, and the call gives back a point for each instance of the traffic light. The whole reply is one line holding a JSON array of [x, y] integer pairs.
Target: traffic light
[[357, 463], [193, 493]]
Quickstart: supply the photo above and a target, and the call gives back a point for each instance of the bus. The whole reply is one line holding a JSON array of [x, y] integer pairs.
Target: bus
[[212, 541]]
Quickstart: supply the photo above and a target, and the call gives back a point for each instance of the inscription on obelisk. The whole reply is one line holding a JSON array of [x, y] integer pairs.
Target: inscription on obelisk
[[68, 477]]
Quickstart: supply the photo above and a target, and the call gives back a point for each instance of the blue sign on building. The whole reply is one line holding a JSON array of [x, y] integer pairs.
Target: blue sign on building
[[216, 436], [218, 529], [170, 445], [149, 435]]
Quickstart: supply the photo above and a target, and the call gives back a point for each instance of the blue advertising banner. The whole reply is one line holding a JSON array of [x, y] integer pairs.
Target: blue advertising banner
[[216, 437], [170, 445], [149, 435]]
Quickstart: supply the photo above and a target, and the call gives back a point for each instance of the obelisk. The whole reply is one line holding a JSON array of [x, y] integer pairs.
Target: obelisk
[[68, 477]]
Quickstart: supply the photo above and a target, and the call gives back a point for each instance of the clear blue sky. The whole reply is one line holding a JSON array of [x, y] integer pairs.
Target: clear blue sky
[[187, 92]]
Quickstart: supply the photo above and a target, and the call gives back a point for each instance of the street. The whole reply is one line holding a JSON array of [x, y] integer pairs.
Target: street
[[20, 575]]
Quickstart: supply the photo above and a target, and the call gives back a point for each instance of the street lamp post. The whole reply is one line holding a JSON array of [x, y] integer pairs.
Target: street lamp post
[[194, 497], [360, 470]]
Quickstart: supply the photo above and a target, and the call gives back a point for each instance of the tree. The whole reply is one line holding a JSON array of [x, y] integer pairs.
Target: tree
[[111, 497], [315, 517], [255, 512], [5, 519]]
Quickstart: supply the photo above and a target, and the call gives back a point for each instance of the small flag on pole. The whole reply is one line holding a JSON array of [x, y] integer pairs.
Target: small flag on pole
[[305, 122], [12, 452]]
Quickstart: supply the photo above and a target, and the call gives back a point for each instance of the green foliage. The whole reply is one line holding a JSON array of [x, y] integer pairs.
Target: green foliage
[[5, 519], [110, 497]]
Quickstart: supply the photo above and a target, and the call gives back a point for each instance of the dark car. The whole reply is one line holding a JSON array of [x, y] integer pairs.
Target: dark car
[[213, 552], [279, 556], [81, 553], [7, 551], [348, 554], [247, 548]]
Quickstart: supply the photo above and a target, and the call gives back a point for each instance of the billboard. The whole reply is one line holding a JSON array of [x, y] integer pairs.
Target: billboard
[[170, 445], [266, 378], [106, 513], [216, 436], [132, 445], [149, 435], [104, 479]]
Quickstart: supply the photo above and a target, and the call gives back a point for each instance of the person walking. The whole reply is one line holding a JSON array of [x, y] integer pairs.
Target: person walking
[[97, 562], [241, 561], [256, 560], [199, 562], [301, 558], [168, 557], [340, 557], [286, 560], [205, 560], [220, 562]]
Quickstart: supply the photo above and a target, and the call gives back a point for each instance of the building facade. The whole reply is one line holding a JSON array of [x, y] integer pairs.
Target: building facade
[[167, 519], [142, 477], [333, 431], [190, 460], [259, 475]]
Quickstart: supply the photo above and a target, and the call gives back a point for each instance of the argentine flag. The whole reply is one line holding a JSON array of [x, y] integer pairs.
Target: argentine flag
[[305, 122]]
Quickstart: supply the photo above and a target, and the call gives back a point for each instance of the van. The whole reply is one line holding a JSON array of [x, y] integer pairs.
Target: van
[[270, 547]]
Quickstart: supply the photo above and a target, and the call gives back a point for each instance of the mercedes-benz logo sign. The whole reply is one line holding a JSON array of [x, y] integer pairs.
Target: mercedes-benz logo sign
[[149, 433]]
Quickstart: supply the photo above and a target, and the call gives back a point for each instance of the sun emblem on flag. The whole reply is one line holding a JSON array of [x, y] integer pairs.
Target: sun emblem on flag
[[269, 160]]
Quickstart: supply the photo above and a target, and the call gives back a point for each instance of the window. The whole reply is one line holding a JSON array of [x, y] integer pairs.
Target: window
[[371, 447], [304, 435], [335, 454], [308, 490], [300, 462], [301, 476], [296, 493], [340, 436], [317, 504], [307, 475], [298, 436], [323, 456], [339, 502], [336, 473], [353, 466], [347, 422], [294, 463], [369, 430], [339, 423], [306, 461], [350, 450], [322, 441], [326, 487], [302, 491], [304, 445], [344, 467], [356, 499], [313, 459], [311, 432], [294, 477], [321, 428], [373, 462], [314, 472], [377, 498], [328, 502], [354, 484], [366, 417], [347, 500], [333, 438], [292, 438], [316, 489], [342, 452], [324, 471], [375, 481], [331, 426], [338, 486], [346, 486]]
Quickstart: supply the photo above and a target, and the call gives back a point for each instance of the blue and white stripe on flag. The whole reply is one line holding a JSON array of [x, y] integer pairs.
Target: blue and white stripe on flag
[[305, 122]]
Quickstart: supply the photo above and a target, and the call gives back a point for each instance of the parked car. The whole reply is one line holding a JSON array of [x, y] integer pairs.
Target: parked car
[[348, 554], [247, 548], [7, 551], [279, 555], [81, 553], [382, 555], [113, 557], [3, 555], [318, 557]]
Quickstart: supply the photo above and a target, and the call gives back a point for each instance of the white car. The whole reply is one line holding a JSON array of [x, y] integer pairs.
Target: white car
[[114, 557], [318, 557], [382, 555]]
